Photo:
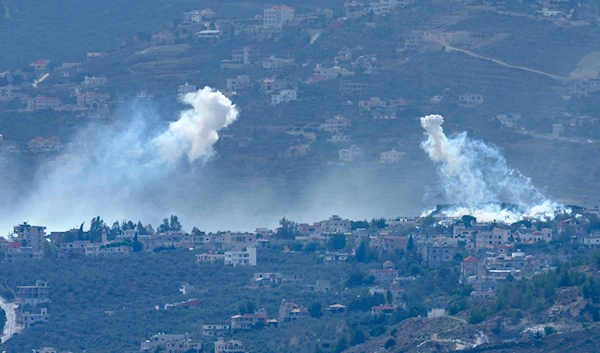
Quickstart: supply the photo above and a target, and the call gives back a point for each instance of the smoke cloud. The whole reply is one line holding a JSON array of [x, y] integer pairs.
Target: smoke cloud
[[476, 180], [196, 131], [128, 170]]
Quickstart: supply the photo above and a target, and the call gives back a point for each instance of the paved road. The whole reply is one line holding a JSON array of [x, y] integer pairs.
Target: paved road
[[10, 327]]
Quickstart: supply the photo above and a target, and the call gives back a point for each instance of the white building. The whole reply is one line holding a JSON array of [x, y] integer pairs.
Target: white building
[[187, 88], [94, 81], [327, 72], [235, 84], [470, 100], [31, 236], [336, 125], [284, 96], [277, 16], [335, 224], [245, 56], [232, 346], [351, 154], [241, 258], [273, 63], [392, 156]]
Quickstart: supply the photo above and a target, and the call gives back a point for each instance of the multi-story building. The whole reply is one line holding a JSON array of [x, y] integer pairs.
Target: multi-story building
[[171, 343], [94, 81], [284, 96], [238, 241], [238, 83], [335, 224], [33, 295], [488, 239], [245, 257], [336, 125], [277, 17], [29, 319], [42, 103], [186, 88], [31, 236], [434, 254], [248, 321], [215, 330], [392, 156], [290, 311], [245, 56], [352, 154]]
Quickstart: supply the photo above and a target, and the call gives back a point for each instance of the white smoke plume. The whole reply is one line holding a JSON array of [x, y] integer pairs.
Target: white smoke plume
[[130, 170], [196, 131], [476, 179]]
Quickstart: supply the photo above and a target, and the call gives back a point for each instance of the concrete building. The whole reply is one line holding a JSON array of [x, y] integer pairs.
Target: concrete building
[[470, 100], [275, 63], [215, 330], [434, 254], [277, 17], [352, 154], [284, 96], [245, 56], [249, 321], [186, 88], [31, 236], [336, 125], [290, 311], [171, 343], [231, 346], [42, 103], [392, 156], [33, 295], [29, 319], [321, 286], [94, 81], [245, 257], [238, 83]]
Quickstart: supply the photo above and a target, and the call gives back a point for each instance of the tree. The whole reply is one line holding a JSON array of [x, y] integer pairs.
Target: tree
[[164, 227], [361, 252], [141, 230], [358, 336], [315, 310], [287, 229], [174, 224], [389, 343], [410, 244], [137, 245], [476, 316], [342, 344], [337, 242]]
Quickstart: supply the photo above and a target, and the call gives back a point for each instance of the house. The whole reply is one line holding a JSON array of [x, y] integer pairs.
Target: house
[[435, 313], [413, 41], [6, 93], [487, 239], [277, 17], [171, 343], [392, 156], [352, 154], [327, 73], [270, 85], [296, 151], [94, 81], [215, 330], [335, 225], [245, 257], [275, 63], [40, 65], [380, 310], [186, 88], [238, 241], [469, 100], [30, 236], [245, 56], [33, 295], [336, 125], [284, 96], [208, 14], [338, 138], [238, 83], [387, 113], [371, 104], [336, 308], [434, 254], [231, 346], [469, 267], [322, 286], [41, 103], [354, 9], [290, 311], [28, 319], [249, 321], [262, 279], [192, 17], [384, 275], [508, 120], [391, 243], [91, 99], [163, 37]]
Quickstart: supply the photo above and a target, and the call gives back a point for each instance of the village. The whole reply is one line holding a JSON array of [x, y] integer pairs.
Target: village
[[486, 256]]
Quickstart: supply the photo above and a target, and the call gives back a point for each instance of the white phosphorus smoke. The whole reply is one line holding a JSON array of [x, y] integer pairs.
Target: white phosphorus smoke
[[476, 179], [196, 131], [126, 170]]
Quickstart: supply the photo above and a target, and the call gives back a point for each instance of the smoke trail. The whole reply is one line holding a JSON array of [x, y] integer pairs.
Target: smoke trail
[[477, 180], [124, 171], [196, 131]]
